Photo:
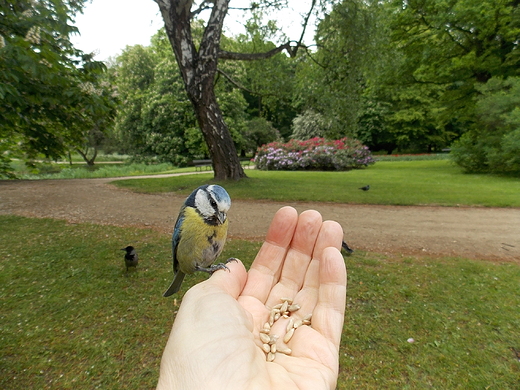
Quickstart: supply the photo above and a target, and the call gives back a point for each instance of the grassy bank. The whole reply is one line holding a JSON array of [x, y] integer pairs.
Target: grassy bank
[[436, 182], [73, 318]]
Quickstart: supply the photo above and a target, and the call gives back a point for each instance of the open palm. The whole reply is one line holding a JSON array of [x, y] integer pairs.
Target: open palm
[[215, 340]]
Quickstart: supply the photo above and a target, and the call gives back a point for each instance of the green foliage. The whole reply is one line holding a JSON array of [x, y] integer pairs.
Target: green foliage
[[441, 52], [268, 85], [259, 132], [493, 145], [331, 81], [46, 100], [156, 120], [309, 124]]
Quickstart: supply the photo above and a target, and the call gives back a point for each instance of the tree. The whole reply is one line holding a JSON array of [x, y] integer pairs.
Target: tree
[[41, 79], [494, 144], [446, 51], [98, 119], [157, 120], [199, 66]]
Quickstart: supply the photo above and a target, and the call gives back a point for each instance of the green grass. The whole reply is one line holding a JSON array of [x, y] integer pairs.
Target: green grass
[[99, 170], [436, 182], [72, 318]]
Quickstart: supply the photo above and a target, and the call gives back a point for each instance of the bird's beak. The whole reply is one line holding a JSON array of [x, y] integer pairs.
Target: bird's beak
[[221, 217]]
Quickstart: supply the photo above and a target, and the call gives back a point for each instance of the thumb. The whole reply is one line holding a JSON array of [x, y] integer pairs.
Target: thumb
[[233, 281]]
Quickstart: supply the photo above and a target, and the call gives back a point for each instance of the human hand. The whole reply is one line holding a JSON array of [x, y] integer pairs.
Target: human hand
[[214, 342]]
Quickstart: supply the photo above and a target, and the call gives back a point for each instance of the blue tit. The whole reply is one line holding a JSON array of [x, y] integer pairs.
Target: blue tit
[[200, 233]]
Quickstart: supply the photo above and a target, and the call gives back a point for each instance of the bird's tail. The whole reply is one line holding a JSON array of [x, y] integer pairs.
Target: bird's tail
[[345, 246], [176, 284]]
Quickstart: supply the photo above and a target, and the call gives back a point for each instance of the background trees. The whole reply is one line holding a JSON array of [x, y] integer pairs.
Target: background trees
[[47, 87], [401, 76]]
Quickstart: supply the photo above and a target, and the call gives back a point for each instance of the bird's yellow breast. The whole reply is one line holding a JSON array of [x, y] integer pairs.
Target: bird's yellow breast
[[200, 243]]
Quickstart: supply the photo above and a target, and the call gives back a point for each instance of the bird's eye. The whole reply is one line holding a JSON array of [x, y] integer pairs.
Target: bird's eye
[[213, 203]]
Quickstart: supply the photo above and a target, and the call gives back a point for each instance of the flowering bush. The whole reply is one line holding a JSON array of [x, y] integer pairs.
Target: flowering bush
[[316, 153]]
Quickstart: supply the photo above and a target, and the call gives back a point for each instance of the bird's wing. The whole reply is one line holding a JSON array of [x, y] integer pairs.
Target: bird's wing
[[176, 237]]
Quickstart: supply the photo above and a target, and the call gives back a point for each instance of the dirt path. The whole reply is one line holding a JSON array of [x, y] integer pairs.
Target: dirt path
[[485, 233]]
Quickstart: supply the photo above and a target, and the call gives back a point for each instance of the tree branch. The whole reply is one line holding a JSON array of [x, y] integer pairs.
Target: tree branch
[[305, 24], [240, 86], [228, 55]]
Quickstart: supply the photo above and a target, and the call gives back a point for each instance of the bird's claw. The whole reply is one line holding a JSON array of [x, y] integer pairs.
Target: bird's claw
[[215, 267]]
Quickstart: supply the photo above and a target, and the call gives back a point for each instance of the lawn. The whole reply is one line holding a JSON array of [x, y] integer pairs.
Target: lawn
[[73, 318], [435, 182]]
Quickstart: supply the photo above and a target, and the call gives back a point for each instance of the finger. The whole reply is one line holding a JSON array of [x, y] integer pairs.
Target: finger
[[266, 268], [330, 235], [329, 314], [232, 282], [298, 256]]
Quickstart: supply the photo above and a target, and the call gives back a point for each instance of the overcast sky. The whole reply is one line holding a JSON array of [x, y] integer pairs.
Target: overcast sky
[[108, 26]]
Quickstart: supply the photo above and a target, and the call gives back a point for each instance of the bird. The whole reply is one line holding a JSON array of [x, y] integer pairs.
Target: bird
[[199, 233], [365, 188], [131, 257], [345, 246]]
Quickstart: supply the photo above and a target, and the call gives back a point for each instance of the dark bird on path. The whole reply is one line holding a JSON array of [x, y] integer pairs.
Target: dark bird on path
[[365, 188], [345, 246], [131, 257]]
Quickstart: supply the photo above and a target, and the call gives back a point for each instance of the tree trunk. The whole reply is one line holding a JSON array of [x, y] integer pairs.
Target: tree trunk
[[226, 163], [198, 70]]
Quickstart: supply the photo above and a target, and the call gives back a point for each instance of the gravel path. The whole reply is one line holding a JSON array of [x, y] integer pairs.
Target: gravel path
[[481, 233]]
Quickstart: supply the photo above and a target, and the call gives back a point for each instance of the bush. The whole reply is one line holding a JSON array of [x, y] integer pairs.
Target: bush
[[314, 154], [493, 145], [309, 125]]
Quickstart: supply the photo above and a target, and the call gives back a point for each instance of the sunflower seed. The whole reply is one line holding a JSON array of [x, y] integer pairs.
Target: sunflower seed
[[266, 348], [306, 322], [267, 326], [288, 300], [284, 307], [271, 319], [297, 324], [289, 324], [273, 339], [286, 351], [265, 338], [294, 307], [273, 348], [277, 306], [308, 317], [288, 336], [270, 356], [277, 316]]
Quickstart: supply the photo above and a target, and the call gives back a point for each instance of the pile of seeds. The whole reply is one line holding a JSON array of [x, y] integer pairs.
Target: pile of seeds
[[281, 310]]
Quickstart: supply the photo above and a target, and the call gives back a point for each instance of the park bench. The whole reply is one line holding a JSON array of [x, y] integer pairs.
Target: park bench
[[206, 164]]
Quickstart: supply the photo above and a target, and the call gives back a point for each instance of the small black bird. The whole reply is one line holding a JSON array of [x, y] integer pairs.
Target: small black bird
[[345, 246], [131, 258], [365, 188]]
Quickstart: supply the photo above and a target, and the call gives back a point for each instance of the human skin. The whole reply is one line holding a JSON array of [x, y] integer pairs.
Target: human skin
[[214, 342]]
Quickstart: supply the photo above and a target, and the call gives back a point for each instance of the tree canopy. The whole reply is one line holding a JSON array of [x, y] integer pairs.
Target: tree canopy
[[401, 76], [46, 85]]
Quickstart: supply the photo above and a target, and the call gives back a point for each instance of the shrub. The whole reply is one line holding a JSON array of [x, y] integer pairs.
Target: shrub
[[313, 154], [493, 145]]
